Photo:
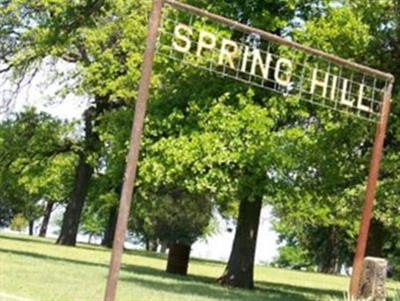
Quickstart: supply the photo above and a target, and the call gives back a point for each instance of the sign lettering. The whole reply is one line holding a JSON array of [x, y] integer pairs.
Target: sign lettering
[[262, 63]]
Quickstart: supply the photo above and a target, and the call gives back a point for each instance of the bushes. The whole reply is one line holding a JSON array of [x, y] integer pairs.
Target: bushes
[[19, 223], [293, 257]]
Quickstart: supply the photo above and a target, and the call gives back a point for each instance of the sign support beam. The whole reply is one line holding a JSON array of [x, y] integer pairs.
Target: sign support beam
[[133, 155], [370, 194]]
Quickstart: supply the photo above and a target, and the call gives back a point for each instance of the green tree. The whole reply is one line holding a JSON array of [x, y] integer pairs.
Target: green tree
[[32, 171], [366, 32], [92, 224], [226, 154], [177, 219], [18, 223], [174, 126], [179, 127], [293, 257], [103, 39]]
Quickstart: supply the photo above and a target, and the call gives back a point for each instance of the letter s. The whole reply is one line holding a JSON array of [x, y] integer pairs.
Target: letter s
[[185, 42]]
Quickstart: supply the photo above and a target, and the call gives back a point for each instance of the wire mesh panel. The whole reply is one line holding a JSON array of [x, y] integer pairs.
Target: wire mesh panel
[[248, 57]]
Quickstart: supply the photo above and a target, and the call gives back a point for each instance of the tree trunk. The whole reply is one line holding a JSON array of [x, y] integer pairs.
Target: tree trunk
[[153, 245], [329, 263], [240, 269], [109, 232], [328, 266], [31, 226], [164, 247], [84, 172], [46, 219], [72, 215], [178, 259], [376, 239], [338, 268]]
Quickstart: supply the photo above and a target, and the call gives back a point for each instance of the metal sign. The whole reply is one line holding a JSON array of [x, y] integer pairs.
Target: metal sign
[[233, 50], [253, 56]]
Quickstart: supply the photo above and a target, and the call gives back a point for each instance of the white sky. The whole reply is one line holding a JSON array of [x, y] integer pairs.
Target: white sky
[[218, 246], [214, 247]]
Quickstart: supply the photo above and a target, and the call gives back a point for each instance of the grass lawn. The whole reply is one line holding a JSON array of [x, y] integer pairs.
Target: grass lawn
[[38, 270]]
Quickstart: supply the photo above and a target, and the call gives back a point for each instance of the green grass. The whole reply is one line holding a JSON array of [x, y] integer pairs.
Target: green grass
[[39, 270]]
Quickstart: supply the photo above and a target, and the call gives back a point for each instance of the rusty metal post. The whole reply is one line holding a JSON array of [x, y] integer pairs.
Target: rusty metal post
[[370, 193], [133, 155]]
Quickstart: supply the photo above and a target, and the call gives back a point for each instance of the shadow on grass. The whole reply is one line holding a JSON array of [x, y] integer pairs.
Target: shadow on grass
[[154, 255], [99, 248], [291, 289], [207, 287], [30, 239], [213, 291], [52, 241], [52, 258], [150, 254], [157, 279]]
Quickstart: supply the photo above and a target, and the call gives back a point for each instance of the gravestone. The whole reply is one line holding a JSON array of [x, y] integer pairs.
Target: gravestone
[[372, 286]]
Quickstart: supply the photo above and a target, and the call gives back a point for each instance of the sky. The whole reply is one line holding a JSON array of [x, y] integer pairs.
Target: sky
[[216, 246], [40, 94]]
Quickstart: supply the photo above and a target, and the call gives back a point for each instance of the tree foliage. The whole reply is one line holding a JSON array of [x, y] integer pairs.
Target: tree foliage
[[32, 171], [324, 220]]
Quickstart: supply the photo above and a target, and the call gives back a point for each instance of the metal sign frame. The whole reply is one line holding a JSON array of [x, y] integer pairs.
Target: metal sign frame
[[231, 52], [138, 122]]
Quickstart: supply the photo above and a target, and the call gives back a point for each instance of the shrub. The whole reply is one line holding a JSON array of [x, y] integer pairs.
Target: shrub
[[19, 223]]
